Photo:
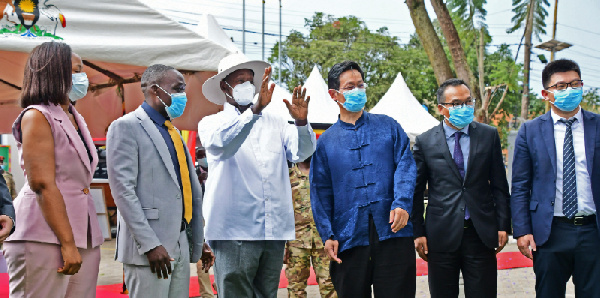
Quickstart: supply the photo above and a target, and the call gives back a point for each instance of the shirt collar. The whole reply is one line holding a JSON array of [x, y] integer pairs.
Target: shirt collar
[[359, 122], [157, 117], [231, 109], [449, 131], [556, 118]]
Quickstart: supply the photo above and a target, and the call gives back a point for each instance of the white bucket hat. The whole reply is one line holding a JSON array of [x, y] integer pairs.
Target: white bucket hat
[[212, 87]]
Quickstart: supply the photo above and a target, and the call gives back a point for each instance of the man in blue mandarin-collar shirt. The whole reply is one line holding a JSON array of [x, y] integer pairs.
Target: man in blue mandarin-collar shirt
[[362, 182]]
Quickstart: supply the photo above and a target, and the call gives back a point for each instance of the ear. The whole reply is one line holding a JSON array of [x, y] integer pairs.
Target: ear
[[545, 94], [333, 94], [440, 109]]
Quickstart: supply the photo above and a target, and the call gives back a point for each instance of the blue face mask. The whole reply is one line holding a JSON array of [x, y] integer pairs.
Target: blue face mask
[[569, 99], [80, 86], [461, 116], [355, 100], [178, 102]]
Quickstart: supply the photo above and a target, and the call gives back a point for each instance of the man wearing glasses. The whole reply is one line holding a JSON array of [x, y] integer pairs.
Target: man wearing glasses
[[468, 213], [556, 188], [362, 182]]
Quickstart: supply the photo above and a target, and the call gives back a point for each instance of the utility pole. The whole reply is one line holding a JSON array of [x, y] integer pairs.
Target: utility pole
[[554, 29], [279, 54], [527, 60], [244, 26], [263, 30]]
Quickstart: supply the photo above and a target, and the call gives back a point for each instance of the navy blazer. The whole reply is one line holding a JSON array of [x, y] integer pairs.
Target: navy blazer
[[534, 174]]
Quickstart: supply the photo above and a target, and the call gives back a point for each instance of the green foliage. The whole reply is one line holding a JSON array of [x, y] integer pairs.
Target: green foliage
[[591, 100], [539, 15], [381, 57], [471, 11]]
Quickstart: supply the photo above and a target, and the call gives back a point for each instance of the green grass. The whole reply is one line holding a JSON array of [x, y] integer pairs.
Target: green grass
[[38, 32]]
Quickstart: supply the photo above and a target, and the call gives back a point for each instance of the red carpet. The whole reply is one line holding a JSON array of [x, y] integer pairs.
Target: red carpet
[[506, 260]]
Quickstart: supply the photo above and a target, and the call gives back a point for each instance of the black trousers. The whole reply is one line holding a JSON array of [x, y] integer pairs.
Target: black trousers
[[570, 251], [476, 261], [388, 265]]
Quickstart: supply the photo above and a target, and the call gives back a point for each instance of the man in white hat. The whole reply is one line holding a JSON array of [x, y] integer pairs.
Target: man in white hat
[[248, 200]]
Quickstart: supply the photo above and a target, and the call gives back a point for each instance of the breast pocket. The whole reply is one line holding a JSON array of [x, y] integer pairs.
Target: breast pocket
[[270, 141]]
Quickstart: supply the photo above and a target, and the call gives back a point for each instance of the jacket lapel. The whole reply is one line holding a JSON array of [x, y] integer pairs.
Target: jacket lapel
[[157, 139], [441, 139], [474, 142], [72, 134], [547, 127], [89, 142], [589, 135]]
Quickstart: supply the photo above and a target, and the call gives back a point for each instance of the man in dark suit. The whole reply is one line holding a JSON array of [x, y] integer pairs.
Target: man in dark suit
[[555, 189], [468, 214], [7, 211]]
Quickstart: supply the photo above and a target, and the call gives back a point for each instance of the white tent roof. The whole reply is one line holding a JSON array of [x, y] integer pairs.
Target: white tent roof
[[119, 31], [400, 104], [321, 109], [210, 28], [277, 106]]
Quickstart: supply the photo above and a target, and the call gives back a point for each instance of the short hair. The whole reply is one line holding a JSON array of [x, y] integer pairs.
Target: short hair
[[333, 79], [560, 65], [47, 78], [449, 83], [154, 74]]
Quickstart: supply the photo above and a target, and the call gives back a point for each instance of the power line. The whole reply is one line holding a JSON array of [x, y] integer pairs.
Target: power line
[[580, 29]]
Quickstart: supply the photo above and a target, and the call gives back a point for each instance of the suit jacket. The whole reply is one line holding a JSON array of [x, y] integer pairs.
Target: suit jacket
[[534, 174], [484, 190], [73, 171], [146, 190], [6, 204]]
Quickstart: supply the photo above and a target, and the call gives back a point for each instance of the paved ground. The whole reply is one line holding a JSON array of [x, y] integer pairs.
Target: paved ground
[[511, 283]]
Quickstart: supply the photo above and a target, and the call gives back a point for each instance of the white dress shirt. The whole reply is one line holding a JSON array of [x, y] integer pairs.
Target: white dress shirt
[[248, 194], [585, 200]]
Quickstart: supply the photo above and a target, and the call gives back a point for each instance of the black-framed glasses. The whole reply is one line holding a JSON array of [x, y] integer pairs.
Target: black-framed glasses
[[360, 86], [459, 104], [562, 85]]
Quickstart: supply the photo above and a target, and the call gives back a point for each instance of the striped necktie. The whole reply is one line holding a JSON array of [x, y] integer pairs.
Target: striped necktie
[[569, 178], [184, 171]]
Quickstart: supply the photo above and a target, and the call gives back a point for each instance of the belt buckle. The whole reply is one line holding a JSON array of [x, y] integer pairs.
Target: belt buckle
[[578, 220]]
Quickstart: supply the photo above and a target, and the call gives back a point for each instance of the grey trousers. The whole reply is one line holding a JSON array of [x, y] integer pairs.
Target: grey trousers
[[142, 283], [247, 268]]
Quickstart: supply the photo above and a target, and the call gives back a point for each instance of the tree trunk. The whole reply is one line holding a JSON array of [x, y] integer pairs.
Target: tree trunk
[[480, 61], [431, 43], [527, 60], [461, 66]]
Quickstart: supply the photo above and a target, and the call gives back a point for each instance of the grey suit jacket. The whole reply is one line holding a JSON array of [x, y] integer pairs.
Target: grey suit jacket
[[144, 185]]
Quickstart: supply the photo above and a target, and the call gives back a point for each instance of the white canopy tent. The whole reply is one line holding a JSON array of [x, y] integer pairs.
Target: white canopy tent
[[117, 40], [400, 104]]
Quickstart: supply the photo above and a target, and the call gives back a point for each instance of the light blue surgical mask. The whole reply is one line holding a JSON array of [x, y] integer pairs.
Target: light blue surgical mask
[[355, 99], [178, 102], [203, 163], [80, 86], [567, 100], [461, 116]]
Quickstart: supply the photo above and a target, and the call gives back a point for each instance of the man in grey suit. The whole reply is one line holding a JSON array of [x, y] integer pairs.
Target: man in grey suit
[[156, 190]]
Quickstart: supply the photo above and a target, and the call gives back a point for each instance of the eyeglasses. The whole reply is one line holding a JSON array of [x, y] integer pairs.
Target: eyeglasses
[[562, 86], [351, 87], [459, 104]]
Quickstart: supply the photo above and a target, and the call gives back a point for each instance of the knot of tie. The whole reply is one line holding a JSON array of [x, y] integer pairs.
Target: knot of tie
[[169, 125], [569, 122], [458, 134]]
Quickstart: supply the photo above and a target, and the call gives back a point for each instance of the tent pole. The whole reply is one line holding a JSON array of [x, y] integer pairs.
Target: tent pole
[[263, 30], [279, 55], [244, 26]]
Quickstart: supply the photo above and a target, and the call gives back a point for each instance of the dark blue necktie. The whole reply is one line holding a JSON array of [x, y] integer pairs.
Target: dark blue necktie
[[459, 160], [569, 178]]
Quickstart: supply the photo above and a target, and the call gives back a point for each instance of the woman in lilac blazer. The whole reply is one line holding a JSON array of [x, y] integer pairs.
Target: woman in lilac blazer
[[55, 249]]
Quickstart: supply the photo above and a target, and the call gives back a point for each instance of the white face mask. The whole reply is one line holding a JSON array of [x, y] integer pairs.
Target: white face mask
[[80, 86], [243, 94]]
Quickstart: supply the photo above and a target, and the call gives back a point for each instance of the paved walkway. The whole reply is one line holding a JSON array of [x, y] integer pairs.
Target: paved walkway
[[517, 283]]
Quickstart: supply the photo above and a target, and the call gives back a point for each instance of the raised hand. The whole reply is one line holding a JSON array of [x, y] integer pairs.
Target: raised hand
[[265, 93], [299, 107]]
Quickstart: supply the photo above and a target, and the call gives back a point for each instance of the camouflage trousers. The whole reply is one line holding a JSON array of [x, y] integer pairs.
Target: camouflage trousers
[[298, 271]]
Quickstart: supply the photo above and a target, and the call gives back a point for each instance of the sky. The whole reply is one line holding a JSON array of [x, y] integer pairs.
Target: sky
[[577, 24]]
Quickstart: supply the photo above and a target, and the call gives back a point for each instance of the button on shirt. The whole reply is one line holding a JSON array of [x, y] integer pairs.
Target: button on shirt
[[585, 200], [465, 142], [248, 194]]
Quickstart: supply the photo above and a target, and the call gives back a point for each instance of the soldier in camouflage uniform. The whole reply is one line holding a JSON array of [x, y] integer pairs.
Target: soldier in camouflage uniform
[[8, 177], [308, 245]]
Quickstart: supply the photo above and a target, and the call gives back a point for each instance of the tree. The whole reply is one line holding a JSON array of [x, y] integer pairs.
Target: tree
[[530, 14], [430, 41], [332, 40]]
